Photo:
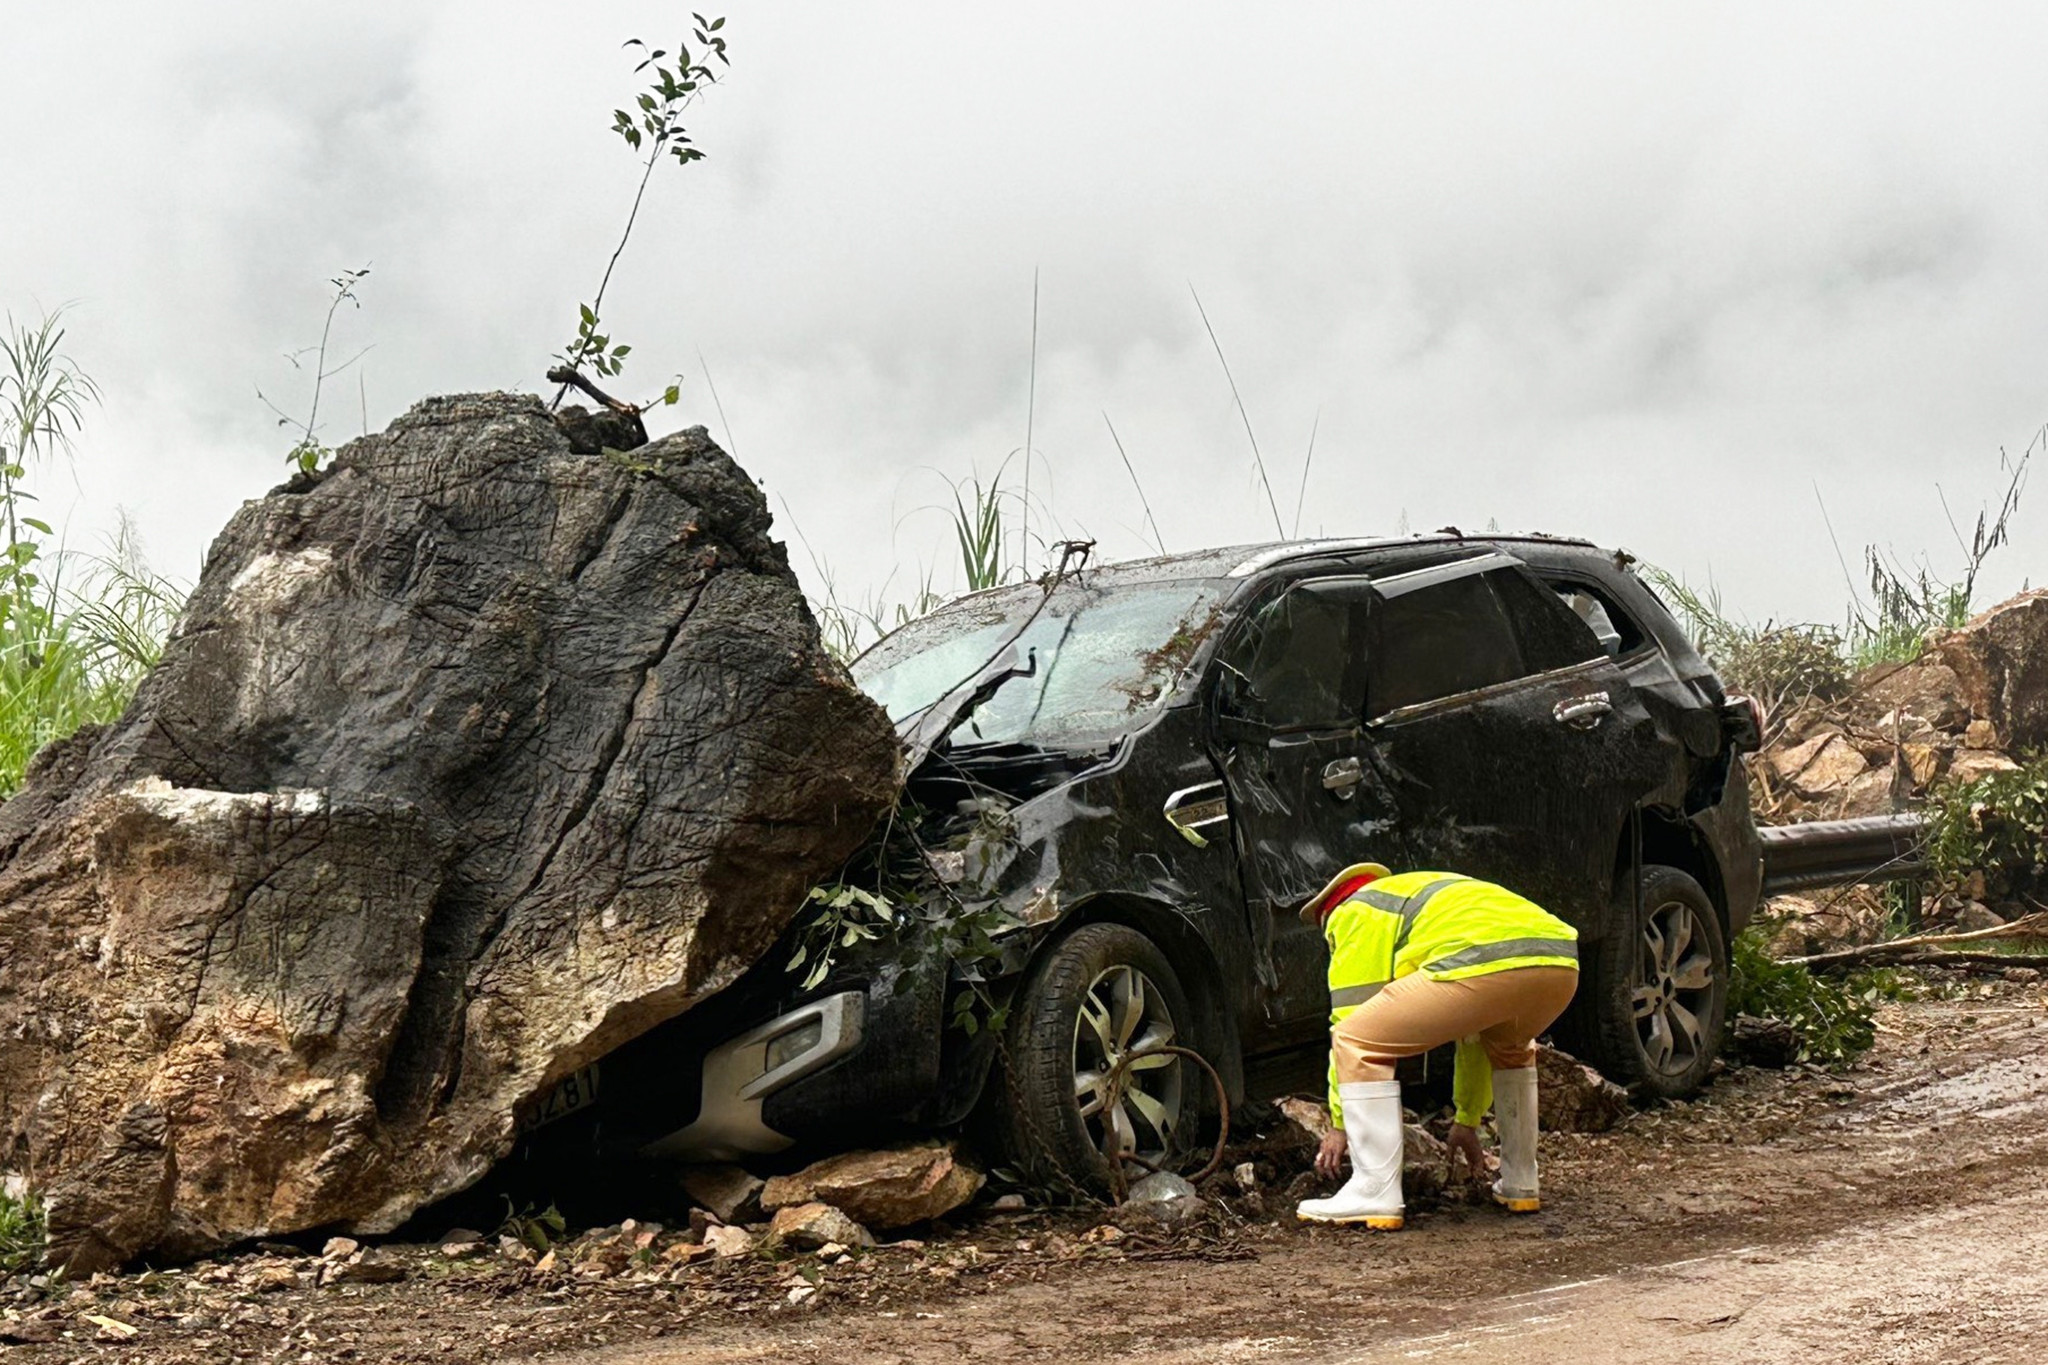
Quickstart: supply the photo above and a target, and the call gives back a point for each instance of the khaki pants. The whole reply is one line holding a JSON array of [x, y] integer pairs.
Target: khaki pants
[[1416, 1013]]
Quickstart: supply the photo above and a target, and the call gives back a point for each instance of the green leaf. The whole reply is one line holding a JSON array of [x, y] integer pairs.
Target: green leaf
[[589, 318], [35, 525]]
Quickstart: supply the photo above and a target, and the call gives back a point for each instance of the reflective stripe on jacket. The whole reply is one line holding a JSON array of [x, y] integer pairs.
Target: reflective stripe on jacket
[[1448, 927]]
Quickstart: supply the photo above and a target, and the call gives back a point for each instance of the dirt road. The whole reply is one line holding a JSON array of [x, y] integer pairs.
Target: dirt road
[[1892, 1215]]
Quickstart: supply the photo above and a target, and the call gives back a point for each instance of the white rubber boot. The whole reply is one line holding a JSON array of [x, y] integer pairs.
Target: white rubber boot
[[1372, 1129], [1514, 1110]]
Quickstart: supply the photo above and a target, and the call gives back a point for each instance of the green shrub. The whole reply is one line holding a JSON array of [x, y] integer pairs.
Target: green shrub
[[1834, 1019], [21, 1231], [1996, 826]]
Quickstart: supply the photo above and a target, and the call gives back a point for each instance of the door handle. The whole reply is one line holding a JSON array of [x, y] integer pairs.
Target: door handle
[[1583, 713], [1341, 776]]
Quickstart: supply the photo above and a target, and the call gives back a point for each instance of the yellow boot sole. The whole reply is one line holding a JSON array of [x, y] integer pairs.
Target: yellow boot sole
[[1518, 1205], [1377, 1222]]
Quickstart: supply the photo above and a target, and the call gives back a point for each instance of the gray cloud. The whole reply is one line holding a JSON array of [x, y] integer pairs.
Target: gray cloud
[[1649, 275]]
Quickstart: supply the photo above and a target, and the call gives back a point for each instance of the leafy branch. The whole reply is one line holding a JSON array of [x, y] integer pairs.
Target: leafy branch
[[310, 450], [655, 126]]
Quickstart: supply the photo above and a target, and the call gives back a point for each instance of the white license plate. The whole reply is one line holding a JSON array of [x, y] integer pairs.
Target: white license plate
[[577, 1090]]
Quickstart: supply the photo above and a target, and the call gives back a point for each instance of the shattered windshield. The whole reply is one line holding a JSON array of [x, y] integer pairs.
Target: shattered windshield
[[1092, 658]]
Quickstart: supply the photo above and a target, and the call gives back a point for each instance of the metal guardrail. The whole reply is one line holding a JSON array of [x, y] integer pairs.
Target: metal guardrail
[[1876, 848]]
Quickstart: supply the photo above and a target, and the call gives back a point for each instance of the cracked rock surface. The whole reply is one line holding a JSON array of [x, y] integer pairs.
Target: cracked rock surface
[[469, 759]]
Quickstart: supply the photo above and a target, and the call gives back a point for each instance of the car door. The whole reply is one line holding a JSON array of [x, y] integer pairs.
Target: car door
[[1515, 750], [1287, 713]]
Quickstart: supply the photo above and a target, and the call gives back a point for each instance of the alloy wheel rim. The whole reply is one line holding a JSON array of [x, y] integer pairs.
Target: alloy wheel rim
[[1674, 988], [1127, 1109]]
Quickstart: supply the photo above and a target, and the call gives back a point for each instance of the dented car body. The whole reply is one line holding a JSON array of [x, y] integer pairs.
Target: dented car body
[[1147, 767]]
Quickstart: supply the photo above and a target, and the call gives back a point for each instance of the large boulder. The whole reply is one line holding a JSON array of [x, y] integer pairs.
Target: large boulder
[[468, 760], [2000, 660]]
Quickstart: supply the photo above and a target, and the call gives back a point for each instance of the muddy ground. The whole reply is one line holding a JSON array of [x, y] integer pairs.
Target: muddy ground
[[1889, 1213]]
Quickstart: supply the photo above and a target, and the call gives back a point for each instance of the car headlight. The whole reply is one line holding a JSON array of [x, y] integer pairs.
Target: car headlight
[[787, 1047]]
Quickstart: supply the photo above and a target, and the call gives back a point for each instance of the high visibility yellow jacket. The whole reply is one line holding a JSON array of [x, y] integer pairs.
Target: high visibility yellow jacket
[[1447, 927]]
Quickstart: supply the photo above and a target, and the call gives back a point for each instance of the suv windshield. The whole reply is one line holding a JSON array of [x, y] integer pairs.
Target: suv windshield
[[1096, 654]]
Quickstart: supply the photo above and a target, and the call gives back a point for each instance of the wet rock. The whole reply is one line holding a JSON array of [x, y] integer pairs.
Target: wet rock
[[456, 774], [1572, 1097], [1980, 734], [1763, 1042], [727, 1191], [1926, 762], [807, 1227], [887, 1189], [1926, 689]]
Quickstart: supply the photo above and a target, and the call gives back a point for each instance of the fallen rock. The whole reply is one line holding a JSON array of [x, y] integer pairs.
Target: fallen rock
[[731, 1193], [455, 774], [1763, 1042], [807, 1227], [1160, 1187], [887, 1189], [726, 1242], [372, 1265], [1826, 763], [1975, 915], [2000, 661], [1572, 1097], [1425, 1161], [1968, 765]]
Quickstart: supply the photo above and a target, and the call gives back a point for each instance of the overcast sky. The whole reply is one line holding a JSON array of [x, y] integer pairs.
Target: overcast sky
[[1650, 274]]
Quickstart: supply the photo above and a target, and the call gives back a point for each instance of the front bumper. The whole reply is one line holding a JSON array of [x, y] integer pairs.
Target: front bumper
[[740, 1074]]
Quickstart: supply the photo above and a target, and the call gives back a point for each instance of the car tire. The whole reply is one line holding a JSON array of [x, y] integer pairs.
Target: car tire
[[1103, 991], [1654, 997]]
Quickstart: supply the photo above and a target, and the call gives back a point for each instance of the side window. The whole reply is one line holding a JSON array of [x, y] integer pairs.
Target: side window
[[1297, 665], [1551, 633], [1440, 639], [1616, 630]]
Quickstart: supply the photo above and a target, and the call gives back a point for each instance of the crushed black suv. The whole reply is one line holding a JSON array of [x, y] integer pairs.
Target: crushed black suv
[[1146, 767]]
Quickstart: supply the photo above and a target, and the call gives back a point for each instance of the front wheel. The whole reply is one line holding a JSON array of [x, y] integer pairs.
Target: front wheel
[[1654, 1000], [1074, 1090]]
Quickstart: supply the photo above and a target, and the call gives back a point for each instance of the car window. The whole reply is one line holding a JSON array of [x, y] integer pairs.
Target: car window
[[1296, 665], [1440, 639], [1551, 633], [1616, 630]]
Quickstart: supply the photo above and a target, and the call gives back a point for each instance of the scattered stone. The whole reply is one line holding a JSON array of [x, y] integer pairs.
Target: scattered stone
[[1310, 1117], [702, 1221], [888, 1189], [1970, 764], [727, 1191], [1925, 762], [2021, 975], [1161, 1187], [464, 1250], [1425, 1162], [340, 1248], [1976, 915], [728, 1242], [372, 1265], [30, 1331], [1572, 1097], [807, 1227], [1826, 763], [1980, 734], [1246, 1176], [1007, 1203]]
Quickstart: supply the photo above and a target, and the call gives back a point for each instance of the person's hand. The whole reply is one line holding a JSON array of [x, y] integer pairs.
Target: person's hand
[[1332, 1155], [1464, 1145]]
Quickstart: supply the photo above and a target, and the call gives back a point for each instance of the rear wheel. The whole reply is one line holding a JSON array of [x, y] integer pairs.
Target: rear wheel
[[1073, 1090], [1655, 997]]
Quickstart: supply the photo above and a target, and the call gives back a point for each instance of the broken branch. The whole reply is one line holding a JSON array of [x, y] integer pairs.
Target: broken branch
[[562, 374], [2029, 926]]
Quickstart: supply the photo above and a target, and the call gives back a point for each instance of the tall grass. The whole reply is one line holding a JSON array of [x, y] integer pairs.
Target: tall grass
[[96, 625], [77, 632]]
